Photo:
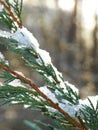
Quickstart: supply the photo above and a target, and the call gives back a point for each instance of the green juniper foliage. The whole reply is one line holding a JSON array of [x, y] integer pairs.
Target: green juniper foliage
[[59, 99], [5, 14]]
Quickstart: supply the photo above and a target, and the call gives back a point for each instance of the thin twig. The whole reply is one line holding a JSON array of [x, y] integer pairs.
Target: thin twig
[[11, 13], [71, 120]]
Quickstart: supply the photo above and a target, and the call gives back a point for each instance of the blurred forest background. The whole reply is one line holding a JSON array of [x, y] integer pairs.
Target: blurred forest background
[[68, 29]]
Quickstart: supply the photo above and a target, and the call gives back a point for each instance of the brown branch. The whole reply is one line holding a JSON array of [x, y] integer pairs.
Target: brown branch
[[81, 122], [55, 105], [11, 14]]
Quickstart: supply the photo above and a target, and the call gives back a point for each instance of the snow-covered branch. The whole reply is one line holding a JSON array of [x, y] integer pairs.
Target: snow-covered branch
[[59, 98]]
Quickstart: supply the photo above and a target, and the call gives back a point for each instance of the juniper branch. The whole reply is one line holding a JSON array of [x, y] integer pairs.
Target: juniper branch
[[55, 105], [15, 19]]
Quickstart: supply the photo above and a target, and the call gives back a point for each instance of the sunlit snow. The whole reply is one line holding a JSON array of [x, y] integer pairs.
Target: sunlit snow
[[25, 38], [2, 59], [93, 99], [49, 94], [16, 83], [5, 34]]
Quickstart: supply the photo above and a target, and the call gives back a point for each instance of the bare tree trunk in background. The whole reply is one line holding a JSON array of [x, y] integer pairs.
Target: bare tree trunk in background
[[95, 52], [56, 3], [95, 47], [72, 30]]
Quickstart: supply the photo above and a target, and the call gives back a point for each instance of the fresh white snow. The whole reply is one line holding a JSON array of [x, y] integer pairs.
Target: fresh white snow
[[16, 83], [93, 99], [2, 59], [1, 56], [25, 38], [49, 94], [5, 34]]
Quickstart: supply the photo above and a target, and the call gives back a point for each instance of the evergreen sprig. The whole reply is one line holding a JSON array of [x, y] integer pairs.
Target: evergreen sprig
[[59, 115], [10, 14], [90, 115], [35, 61], [58, 99]]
